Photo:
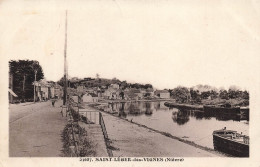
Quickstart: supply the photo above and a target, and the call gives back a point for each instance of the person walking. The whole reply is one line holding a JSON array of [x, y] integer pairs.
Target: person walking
[[53, 102]]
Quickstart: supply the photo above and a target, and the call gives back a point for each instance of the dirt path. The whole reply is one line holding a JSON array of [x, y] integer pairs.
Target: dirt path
[[35, 130], [131, 140]]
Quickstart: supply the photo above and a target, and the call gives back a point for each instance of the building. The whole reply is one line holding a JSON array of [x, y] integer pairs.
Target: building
[[150, 92], [114, 86], [164, 94], [89, 98], [112, 93], [44, 90], [75, 98]]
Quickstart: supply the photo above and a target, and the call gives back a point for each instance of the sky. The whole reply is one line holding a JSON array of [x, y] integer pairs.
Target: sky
[[165, 43]]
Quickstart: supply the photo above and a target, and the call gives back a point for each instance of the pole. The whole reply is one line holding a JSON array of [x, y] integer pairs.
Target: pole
[[65, 64], [34, 86], [11, 87]]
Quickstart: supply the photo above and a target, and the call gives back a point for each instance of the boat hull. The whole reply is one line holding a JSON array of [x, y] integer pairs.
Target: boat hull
[[230, 147], [233, 110]]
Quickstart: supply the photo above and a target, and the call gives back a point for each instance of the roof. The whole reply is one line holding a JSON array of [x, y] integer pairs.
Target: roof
[[149, 90], [111, 90], [161, 91], [43, 82], [132, 90], [91, 94], [130, 94]]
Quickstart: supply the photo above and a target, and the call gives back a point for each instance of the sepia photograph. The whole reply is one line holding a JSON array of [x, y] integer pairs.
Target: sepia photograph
[[135, 82]]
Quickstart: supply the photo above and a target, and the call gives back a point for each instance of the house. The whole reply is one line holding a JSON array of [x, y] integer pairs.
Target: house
[[90, 90], [75, 98], [108, 93], [150, 91], [112, 93], [80, 88], [43, 90], [164, 94], [132, 94], [89, 98], [114, 86], [137, 92]]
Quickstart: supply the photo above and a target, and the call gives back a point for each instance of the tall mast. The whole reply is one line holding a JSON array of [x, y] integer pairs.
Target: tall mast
[[65, 64]]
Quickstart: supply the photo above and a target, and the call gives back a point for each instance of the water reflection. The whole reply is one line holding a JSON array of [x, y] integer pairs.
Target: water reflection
[[179, 116]]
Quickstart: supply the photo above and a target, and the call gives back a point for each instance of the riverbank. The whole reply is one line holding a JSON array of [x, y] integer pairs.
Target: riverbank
[[198, 107], [184, 106], [136, 140], [141, 100]]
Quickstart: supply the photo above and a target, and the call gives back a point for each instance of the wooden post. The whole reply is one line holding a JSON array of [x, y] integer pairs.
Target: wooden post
[[11, 87], [99, 118]]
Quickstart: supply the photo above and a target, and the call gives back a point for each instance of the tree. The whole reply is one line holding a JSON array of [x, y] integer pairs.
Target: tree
[[223, 94], [245, 95], [146, 86], [35, 66], [181, 94], [195, 95], [122, 95], [61, 81], [23, 72], [213, 94], [205, 95], [232, 94]]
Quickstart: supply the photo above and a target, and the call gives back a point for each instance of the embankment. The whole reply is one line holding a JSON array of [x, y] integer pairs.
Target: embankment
[[184, 106]]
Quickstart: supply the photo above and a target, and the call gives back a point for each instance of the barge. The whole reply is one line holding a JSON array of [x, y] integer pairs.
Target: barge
[[221, 109], [231, 142]]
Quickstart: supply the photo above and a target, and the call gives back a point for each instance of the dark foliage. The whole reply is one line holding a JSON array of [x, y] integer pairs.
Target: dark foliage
[[23, 72], [181, 94]]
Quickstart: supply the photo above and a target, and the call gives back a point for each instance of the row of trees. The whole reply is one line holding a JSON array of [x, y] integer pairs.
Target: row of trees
[[184, 94], [105, 82], [23, 74]]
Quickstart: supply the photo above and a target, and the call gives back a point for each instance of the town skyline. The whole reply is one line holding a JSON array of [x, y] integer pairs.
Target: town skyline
[[219, 87]]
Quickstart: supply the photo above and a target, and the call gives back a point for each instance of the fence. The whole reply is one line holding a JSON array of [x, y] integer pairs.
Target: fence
[[107, 141], [91, 117]]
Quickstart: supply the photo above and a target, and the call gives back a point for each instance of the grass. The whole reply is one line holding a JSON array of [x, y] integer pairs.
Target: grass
[[85, 146]]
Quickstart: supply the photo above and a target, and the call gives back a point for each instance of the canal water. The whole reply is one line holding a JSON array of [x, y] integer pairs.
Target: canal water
[[191, 125]]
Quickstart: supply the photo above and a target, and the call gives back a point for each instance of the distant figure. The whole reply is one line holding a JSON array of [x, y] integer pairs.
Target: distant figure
[[132, 120], [224, 128], [53, 103]]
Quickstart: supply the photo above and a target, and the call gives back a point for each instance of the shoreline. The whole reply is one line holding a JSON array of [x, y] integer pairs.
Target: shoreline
[[126, 101], [184, 106], [191, 143], [168, 103]]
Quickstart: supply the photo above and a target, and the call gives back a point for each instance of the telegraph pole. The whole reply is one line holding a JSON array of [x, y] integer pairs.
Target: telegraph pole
[[65, 64]]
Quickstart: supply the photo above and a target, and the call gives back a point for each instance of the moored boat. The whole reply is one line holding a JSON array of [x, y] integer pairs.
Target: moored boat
[[244, 111], [221, 109], [231, 142]]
